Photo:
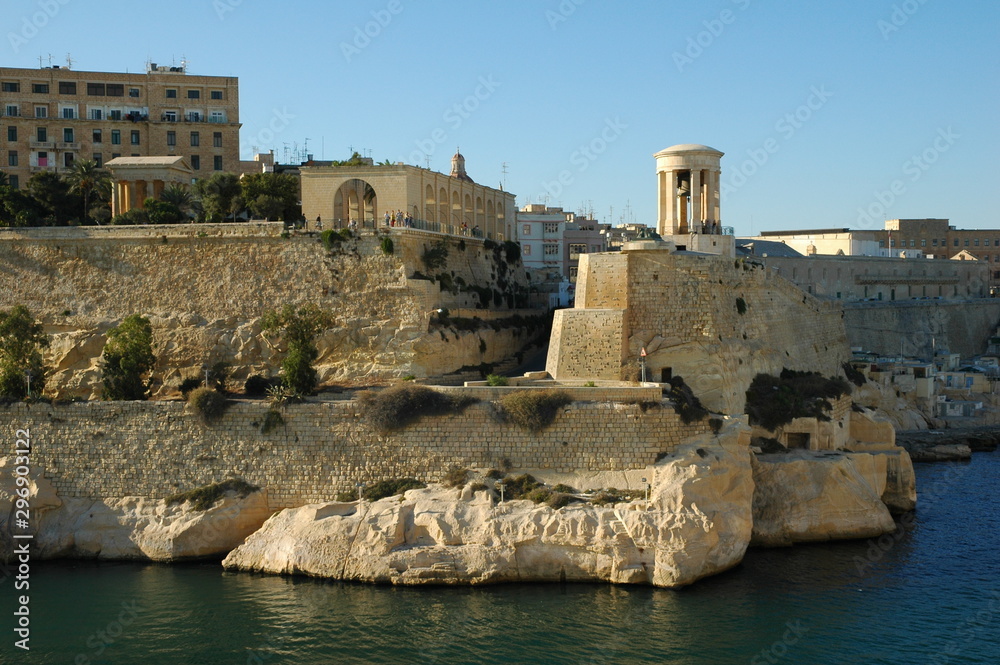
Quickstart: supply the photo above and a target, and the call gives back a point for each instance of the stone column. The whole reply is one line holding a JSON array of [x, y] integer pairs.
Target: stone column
[[694, 225]]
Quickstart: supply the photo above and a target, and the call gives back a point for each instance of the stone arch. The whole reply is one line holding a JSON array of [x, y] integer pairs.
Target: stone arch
[[355, 199], [501, 217], [468, 211], [443, 206], [480, 212]]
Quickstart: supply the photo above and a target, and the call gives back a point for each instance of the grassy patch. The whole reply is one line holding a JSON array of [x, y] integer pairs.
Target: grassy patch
[[205, 497], [496, 380], [386, 488], [454, 477], [534, 410], [272, 420], [210, 403], [396, 407]]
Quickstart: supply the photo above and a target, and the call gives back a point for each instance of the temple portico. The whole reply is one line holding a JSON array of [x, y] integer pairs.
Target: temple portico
[[135, 179]]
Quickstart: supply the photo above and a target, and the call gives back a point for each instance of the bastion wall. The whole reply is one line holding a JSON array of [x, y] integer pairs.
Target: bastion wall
[[205, 287], [155, 449]]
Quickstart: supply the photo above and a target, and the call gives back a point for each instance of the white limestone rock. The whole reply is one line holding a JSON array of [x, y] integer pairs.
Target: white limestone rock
[[697, 523], [806, 496]]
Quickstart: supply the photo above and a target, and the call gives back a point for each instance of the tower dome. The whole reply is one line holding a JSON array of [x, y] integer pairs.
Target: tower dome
[[458, 167]]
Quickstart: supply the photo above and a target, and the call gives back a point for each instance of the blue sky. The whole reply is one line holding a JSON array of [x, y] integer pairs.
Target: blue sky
[[833, 114]]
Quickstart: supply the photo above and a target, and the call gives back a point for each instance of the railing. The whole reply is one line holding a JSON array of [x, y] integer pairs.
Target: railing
[[420, 225]]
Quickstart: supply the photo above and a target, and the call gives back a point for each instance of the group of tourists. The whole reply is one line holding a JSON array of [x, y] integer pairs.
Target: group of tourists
[[398, 218]]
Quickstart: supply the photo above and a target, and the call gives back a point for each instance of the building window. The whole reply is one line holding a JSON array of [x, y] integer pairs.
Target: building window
[[194, 94], [98, 159], [956, 242], [975, 242], [12, 110], [11, 87], [575, 250], [13, 181], [171, 93], [96, 114], [892, 243], [116, 90], [170, 116], [116, 137], [216, 94], [934, 242], [573, 271], [526, 250], [913, 242], [135, 137], [195, 139], [68, 160], [98, 137], [68, 135], [43, 159], [40, 88], [67, 87], [196, 162], [217, 139], [217, 162], [41, 111], [95, 89], [69, 113], [881, 243], [966, 242], [12, 133], [115, 114], [133, 92], [12, 158], [923, 242], [217, 117], [42, 135], [171, 139], [551, 249], [551, 228]]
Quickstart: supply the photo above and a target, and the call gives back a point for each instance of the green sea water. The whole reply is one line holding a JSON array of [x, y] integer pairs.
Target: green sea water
[[930, 594]]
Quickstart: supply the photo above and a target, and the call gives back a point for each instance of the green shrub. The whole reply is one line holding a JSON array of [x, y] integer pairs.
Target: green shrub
[[218, 375], [128, 358], [715, 424], [565, 489], [21, 341], [539, 495], [204, 498], [512, 250], [210, 403], [559, 500], [496, 380], [534, 410], [187, 385], [331, 238], [272, 420], [298, 327], [396, 407], [409, 377], [612, 495], [386, 246], [590, 384], [773, 401], [454, 477], [386, 488], [435, 256], [854, 375], [478, 487], [741, 306], [688, 406], [346, 496], [494, 474], [518, 487]]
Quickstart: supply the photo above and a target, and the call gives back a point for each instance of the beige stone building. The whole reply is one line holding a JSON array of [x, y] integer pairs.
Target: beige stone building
[[54, 116], [134, 179], [451, 204]]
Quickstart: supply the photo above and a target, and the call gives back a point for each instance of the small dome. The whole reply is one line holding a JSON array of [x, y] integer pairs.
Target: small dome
[[690, 147]]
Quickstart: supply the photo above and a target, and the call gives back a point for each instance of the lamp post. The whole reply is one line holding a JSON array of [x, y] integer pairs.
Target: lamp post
[[27, 377], [205, 369], [502, 488], [642, 363], [360, 486]]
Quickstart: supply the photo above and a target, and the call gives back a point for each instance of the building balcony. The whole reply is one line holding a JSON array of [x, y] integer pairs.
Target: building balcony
[[42, 145], [217, 120], [68, 146], [39, 169]]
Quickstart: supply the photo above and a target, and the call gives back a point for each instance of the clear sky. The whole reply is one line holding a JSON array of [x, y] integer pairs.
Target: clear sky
[[831, 114]]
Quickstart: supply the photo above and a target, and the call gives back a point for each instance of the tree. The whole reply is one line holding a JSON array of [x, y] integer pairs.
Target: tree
[[58, 203], [179, 197], [219, 196], [21, 341], [266, 192], [161, 212], [86, 178], [128, 359], [298, 327]]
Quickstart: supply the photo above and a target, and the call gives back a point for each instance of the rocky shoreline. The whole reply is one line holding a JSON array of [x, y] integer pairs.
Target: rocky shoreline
[[949, 445]]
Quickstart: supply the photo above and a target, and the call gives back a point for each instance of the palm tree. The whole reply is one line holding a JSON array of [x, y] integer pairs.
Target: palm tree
[[3, 179], [86, 177], [179, 196]]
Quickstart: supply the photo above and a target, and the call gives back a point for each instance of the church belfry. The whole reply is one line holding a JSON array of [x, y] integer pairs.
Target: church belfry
[[688, 201]]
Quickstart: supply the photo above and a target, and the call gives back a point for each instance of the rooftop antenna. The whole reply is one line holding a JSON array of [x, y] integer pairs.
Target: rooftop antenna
[[50, 59], [427, 161], [184, 63], [40, 62], [69, 62], [503, 170]]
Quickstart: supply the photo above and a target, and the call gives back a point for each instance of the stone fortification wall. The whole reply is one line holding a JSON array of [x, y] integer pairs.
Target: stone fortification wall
[[154, 449], [715, 321], [918, 327], [590, 341], [205, 296]]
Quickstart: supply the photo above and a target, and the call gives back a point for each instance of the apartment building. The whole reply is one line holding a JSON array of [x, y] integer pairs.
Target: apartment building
[[552, 241], [53, 116]]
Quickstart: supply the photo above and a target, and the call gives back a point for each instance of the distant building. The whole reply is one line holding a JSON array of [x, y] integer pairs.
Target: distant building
[[553, 239], [835, 242], [53, 117], [617, 236]]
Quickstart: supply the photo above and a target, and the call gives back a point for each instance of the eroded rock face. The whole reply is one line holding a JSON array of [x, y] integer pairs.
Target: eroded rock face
[[809, 496], [697, 523], [135, 528]]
